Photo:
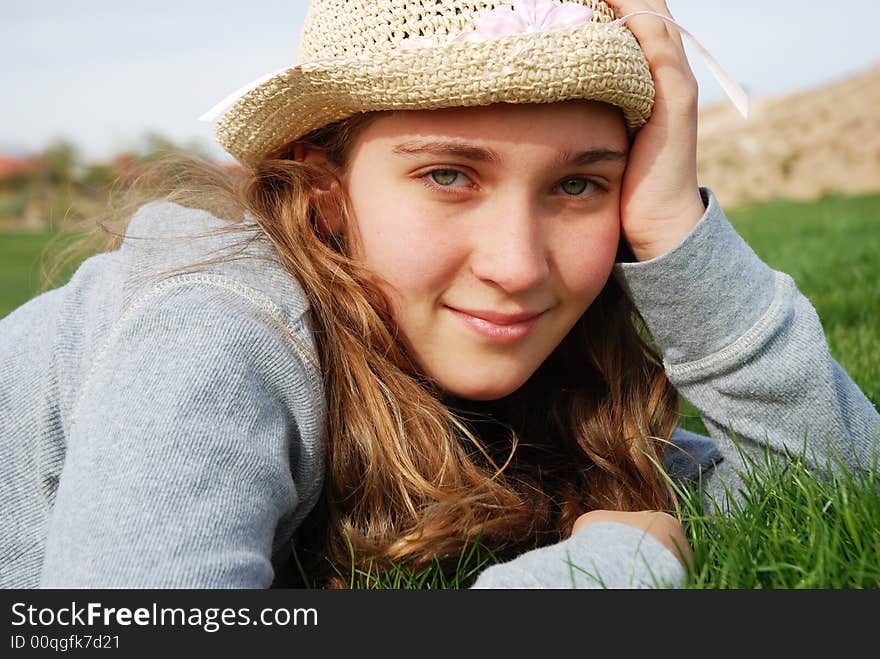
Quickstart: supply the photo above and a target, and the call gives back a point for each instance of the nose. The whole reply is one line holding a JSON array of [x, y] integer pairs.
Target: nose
[[510, 249]]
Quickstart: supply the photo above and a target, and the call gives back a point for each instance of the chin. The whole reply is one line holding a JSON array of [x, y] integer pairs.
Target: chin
[[483, 389]]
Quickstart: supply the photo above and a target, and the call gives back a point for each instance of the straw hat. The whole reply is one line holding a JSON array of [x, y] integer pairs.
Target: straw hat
[[363, 55]]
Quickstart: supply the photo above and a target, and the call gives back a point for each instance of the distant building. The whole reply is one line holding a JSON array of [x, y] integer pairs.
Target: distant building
[[11, 167]]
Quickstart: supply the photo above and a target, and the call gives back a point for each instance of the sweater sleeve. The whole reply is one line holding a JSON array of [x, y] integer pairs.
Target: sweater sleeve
[[601, 555], [182, 450], [742, 344]]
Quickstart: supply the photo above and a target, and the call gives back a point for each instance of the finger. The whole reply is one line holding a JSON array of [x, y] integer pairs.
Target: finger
[[655, 36], [670, 68], [646, 28], [661, 7]]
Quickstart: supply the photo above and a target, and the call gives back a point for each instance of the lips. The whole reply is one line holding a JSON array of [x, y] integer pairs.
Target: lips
[[504, 328], [500, 318]]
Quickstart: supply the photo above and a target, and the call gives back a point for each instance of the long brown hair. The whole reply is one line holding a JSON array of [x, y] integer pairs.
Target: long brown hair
[[413, 476]]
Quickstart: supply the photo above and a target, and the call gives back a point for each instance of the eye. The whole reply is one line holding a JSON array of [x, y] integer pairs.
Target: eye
[[443, 177], [574, 186]]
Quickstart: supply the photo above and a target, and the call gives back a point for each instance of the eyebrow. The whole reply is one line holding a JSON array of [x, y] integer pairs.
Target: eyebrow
[[476, 153]]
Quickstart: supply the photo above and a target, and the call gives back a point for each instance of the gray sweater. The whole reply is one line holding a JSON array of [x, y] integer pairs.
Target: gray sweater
[[165, 432]]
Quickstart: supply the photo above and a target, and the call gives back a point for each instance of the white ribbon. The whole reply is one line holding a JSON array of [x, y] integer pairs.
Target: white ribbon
[[735, 93]]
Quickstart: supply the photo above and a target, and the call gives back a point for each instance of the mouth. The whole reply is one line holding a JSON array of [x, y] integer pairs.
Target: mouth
[[504, 328]]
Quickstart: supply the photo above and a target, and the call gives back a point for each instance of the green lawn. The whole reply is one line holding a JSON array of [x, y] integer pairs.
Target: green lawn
[[794, 531], [22, 255]]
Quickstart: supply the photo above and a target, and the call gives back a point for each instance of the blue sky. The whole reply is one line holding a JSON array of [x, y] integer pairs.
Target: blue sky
[[104, 72]]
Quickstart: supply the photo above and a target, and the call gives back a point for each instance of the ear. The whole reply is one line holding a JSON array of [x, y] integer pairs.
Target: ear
[[325, 189]]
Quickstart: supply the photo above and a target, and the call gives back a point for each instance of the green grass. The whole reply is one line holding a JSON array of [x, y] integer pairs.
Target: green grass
[[794, 530], [22, 255], [473, 559]]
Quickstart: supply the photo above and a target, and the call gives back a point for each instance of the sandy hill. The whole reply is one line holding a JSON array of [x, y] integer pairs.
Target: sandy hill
[[800, 146]]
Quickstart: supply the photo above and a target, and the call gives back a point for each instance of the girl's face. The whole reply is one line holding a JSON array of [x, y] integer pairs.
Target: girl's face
[[503, 209]]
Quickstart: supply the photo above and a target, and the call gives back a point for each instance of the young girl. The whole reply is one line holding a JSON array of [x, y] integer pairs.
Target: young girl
[[414, 320]]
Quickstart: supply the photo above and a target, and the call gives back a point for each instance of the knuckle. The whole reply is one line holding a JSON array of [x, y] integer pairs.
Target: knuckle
[[670, 521]]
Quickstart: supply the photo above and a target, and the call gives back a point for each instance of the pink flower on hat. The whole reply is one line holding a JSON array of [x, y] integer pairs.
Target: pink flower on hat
[[527, 16]]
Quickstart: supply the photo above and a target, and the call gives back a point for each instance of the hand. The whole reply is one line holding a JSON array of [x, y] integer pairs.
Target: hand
[[660, 200], [663, 526]]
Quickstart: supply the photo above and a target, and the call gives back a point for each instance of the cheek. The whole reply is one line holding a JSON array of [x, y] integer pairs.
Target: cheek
[[395, 242], [585, 260], [405, 257]]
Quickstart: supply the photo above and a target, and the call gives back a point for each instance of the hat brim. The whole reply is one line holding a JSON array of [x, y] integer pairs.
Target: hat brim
[[592, 61]]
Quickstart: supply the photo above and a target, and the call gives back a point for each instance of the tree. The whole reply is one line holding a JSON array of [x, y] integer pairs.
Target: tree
[[60, 161]]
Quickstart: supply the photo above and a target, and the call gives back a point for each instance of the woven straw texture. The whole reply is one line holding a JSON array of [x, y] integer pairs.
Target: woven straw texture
[[357, 56]]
